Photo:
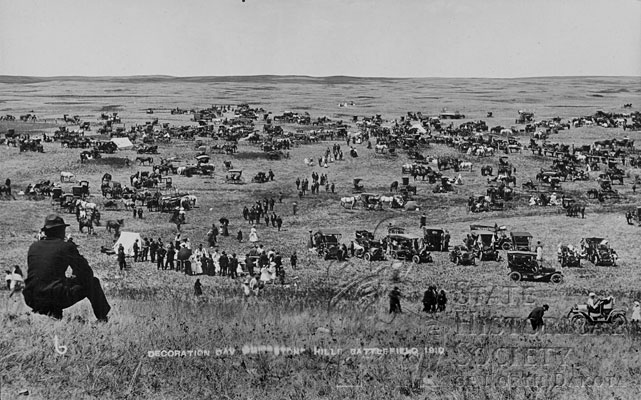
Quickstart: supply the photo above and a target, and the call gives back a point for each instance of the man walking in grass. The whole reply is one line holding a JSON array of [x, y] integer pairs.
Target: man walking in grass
[[536, 318]]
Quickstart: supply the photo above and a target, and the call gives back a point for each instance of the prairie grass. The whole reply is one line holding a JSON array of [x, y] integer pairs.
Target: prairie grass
[[324, 304]]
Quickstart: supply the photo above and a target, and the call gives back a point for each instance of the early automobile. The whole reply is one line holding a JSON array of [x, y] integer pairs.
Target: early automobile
[[524, 267]]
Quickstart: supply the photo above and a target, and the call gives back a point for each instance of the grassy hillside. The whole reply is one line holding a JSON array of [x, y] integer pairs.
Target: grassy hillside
[[480, 342]]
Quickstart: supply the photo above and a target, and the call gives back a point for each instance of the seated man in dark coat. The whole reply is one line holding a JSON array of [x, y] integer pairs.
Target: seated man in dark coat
[[47, 290]]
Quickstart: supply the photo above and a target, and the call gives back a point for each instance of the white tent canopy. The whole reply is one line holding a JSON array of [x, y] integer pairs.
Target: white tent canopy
[[419, 128], [127, 239], [123, 143]]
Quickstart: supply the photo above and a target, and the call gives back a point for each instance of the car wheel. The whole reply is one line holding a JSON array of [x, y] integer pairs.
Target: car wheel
[[578, 323], [619, 323], [557, 278], [507, 246], [515, 276], [368, 256], [416, 260]]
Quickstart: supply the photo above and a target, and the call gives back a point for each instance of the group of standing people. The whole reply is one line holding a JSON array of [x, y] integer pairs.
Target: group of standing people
[[433, 300], [303, 186]]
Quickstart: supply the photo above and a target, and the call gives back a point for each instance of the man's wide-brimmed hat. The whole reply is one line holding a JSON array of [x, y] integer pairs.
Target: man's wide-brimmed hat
[[54, 221]]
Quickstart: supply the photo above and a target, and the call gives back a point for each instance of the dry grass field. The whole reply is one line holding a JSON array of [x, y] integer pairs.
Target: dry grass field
[[481, 347]]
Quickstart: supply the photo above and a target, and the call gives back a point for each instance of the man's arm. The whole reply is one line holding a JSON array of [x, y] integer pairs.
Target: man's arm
[[79, 265]]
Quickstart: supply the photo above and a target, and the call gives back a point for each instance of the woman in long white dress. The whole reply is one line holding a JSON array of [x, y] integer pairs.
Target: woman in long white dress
[[197, 266], [253, 235]]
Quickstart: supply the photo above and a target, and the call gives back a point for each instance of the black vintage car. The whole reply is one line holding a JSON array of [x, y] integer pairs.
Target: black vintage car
[[568, 257], [486, 248], [366, 247], [407, 247], [433, 238], [598, 251], [460, 255], [327, 244], [524, 267]]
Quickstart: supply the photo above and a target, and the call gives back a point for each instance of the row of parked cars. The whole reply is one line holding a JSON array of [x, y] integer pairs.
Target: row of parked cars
[[484, 243]]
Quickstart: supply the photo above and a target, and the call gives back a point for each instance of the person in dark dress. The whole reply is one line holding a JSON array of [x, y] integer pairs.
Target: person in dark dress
[[198, 288], [160, 257], [441, 301], [47, 289], [233, 266], [395, 301], [121, 257], [171, 254], [293, 260]]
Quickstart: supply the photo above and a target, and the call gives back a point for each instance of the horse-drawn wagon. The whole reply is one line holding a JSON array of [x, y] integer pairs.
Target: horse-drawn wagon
[[358, 187], [234, 176], [145, 149], [371, 201], [260, 177], [524, 117]]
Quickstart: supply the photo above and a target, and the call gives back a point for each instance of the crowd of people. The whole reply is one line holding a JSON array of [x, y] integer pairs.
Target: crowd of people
[[303, 185], [179, 255], [262, 211]]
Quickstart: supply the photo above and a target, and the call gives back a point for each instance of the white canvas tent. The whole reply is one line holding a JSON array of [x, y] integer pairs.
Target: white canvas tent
[[419, 128], [123, 143], [127, 239]]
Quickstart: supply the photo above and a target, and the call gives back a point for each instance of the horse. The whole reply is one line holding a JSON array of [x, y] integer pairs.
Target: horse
[[191, 199], [486, 170], [115, 225], [66, 176], [129, 204], [391, 199], [86, 222], [349, 201], [393, 187], [465, 164], [143, 160], [380, 148], [87, 205]]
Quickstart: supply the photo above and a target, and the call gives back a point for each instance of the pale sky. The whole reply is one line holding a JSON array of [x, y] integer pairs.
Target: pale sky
[[381, 38]]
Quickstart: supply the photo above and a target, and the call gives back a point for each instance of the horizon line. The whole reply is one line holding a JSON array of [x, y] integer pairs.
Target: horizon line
[[163, 76]]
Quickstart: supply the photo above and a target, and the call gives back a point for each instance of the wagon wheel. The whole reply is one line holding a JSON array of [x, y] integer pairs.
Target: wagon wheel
[[416, 259], [368, 257], [506, 246], [578, 323], [515, 276], [619, 320], [556, 278]]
